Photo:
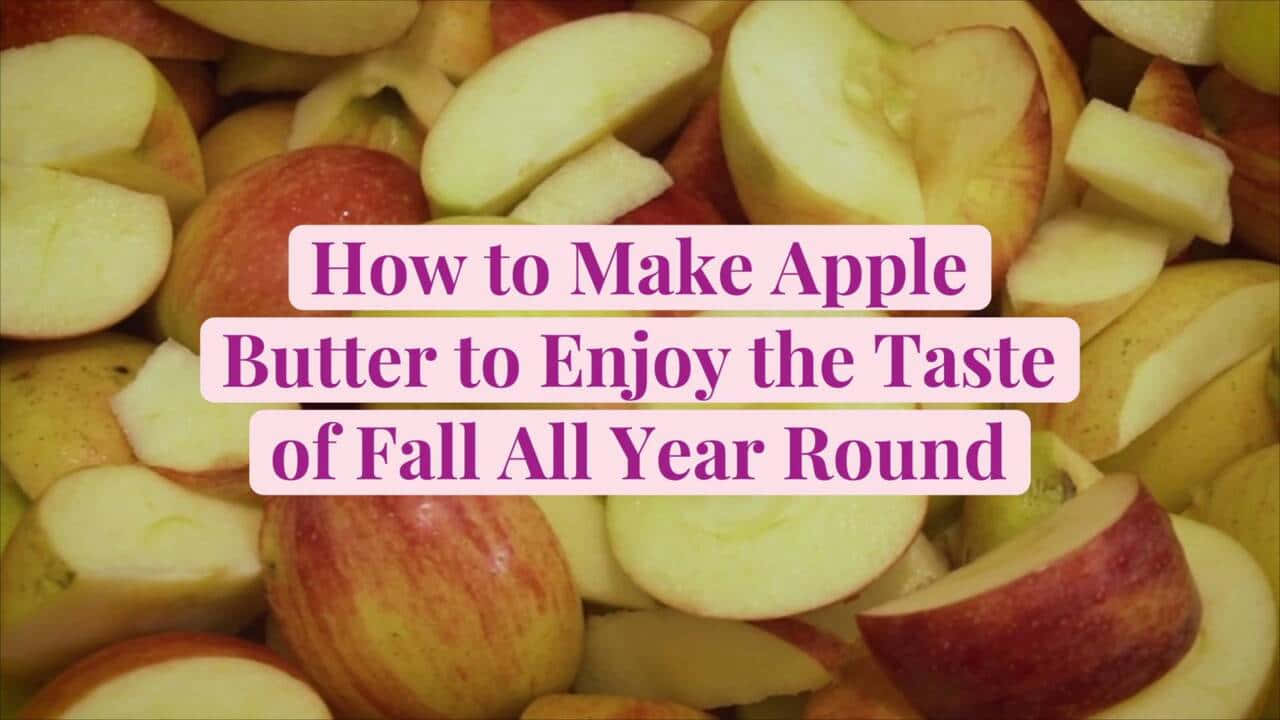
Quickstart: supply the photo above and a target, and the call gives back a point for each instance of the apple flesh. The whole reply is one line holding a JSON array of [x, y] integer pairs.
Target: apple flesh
[[452, 35], [110, 245], [154, 31], [245, 138], [423, 606], [1079, 612], [605, 182], [1181, 30], [179, 675], [315, 27], [607, 707], [579, 525], [76, 578], [256, 69]]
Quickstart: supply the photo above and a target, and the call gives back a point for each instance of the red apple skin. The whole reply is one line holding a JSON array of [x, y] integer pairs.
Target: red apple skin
[[479, 614], [231, 257], [112, 661], [194, 85], [1091, 629], [676, 206], [607, 707], [152, 30], [515, 20], [697, 163]]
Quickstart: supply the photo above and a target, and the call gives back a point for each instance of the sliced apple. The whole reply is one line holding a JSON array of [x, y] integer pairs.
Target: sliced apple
[[1181, 30], [607, 707], [713, 17], [578, 521], [1153, 357], [452, 35], [179, 675], [676, 206], [1097, 202], [1116, 152], [605, 182], [252, 68], [488, 149], [697, 163], [1081, 611], [705, 555], [516, 20], [154, 31], [76, 577], [192, 83], [245, 137], [861, 691], [1086, 266], [76, 254], [1164, 95]]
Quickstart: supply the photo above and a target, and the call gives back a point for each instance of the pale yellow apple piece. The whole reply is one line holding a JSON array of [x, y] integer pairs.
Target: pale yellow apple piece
[[1100, 203], [1232, 662], [118, 551], [1157, 354], [700, 662], [578, 521], [808, 94], [1086, 266], [253, 68], [452, 35], [245, 137], [76, 254], [1173, 177], [1181, 30], [608, 180], [315, 27], [498, 137]]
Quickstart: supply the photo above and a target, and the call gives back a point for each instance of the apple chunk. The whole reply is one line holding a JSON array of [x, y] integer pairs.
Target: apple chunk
[[497, 138], [1181, 30], [76, 577], [578, 521], [179, 675], [706, 555], [1077, 613], [605, 182], [76, 254]]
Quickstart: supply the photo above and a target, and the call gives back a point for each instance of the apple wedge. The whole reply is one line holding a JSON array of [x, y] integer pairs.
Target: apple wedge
[[608, 73], [244, 138], [1081, 611], [154, 31], [1181, 30], [1153, 357], [252, 68], [315, 27], [77, 577], [452, 35], [76, 254], [605, 182], [1164, 95], [607, 707], [179, 675], [705, 555], [1086, 266], [578, 521]]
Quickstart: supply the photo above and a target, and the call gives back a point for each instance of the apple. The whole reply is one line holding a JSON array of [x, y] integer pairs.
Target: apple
[[1229, 104], [55, 413], [1227, 670], [579, 525], [1088, 266], [154, 31], [316, 27], [423, 606], [381, 122], [179, 674], [252, 68], [192, 82], [608, 73], [1248, 43], [596, 187], [607, 707], [1079, 612], [138, 135], [1164, 95], [116, 551], [1257, 216], [1189, 192], [1114, 70], [676, 206], [1226, 419], [453, 35], [515, 20], [244, 138], [713, 17], [1153, 357], [861, 691], [242, 228], [76, 254], [13, 503], [697, 163], [920, 21], [1181, 30]]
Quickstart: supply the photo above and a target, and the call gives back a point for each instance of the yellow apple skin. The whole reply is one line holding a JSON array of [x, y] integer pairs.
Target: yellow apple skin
[[244, 138], [55, 415]]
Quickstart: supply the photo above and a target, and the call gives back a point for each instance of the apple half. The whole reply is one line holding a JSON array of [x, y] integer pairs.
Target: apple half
[[1079, 612], [605, 182]]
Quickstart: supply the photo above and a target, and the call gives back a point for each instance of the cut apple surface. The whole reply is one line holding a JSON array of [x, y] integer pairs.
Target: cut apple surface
[[76, 577], [76, 254], [605, 182], [452, 35], [1079, 612], [1181, 30], [709, 555], [1099, 203], [489, 148], [1086, 266], [578, 521], [179, 675]]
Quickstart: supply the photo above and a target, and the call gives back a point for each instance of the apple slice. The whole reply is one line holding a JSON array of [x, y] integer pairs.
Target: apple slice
[[697, 163], [1081, 611], [1164, 95], [706, 555], [76, 254], [315, 27], [608, 73], [605, 182], [1181, 30], [607, 707], [516, 20], [861, 691], [154, 31], [1153, 357], [674, 207], [179, 675], [696, 661], [452, 35], [1086, 266], [192, 83], [76, 577], [578, 521], [252, 68], [713, 17], [1227, 670], [244, 138], [1117, 151]]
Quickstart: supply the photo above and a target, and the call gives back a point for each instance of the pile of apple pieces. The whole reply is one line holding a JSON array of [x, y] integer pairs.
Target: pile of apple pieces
[[392, 111]]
